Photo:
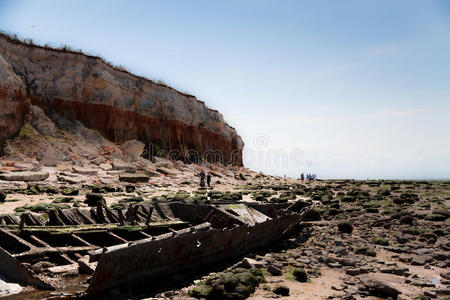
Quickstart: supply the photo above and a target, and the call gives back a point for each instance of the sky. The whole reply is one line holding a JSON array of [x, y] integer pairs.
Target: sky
[[343, 89]]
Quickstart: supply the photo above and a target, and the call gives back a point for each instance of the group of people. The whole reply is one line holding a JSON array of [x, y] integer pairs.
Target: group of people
[[309, 177], [202, 179]]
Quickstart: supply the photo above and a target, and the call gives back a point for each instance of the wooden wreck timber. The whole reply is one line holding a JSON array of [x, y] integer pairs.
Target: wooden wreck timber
[[165, 239]]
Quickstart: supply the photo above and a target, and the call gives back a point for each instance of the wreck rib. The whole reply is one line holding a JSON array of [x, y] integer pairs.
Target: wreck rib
[[183, 252]]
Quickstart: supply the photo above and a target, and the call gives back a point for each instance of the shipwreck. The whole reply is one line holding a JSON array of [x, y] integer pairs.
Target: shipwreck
[[149, 240]]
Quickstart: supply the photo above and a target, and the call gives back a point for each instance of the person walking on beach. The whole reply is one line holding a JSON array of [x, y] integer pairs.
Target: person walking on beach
[[208, 179], [202, 178]]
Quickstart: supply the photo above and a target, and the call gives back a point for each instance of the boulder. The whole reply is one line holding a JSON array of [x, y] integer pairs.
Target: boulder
[[418, 260], [442, 212], [133, 148], [93, 198], [379, 286], [435, 217], [281, 290], [345, 227], [2, 196], [273, 270], [24, 176], [406, 220], [312, 215], [41, 122]]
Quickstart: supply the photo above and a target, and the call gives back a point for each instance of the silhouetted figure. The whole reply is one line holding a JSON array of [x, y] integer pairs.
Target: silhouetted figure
[[302, 177], [208, 179], [202, 178]]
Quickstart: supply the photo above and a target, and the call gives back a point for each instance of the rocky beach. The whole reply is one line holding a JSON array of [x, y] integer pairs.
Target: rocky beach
[[100, 198]]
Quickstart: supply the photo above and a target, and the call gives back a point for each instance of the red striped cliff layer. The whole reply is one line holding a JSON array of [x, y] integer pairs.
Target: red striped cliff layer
[[118, 104]]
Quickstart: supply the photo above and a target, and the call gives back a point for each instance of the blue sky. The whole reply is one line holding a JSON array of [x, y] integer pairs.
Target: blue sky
[[344, 89]]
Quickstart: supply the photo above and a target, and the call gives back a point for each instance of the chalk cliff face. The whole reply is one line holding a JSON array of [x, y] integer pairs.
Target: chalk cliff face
[[118, 104], [13, 101]]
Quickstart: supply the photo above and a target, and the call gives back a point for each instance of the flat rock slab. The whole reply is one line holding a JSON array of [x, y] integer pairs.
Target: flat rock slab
[[24, 176], [167, 171], [120, 165], [105, 167], [85, 171], [134, 177], [70, 179]]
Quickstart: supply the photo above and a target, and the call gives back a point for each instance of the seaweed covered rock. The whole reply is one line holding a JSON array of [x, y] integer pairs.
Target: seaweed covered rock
[[134, 177], [2, 196], [281, 290], [345, 227], [92, 199], [237, 284]]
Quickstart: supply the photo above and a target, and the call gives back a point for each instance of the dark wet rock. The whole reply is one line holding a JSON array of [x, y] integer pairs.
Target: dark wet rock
[[366, 251], [313, 215], [93, 198], [2, 196], [334, 265], [103, 189], [430, 294], [406, 220], [129, 177], [345, 227], [275, 271], [353, 271], [130, 188], [394, 270], [380, 241], [300, 274], [281, 290], [441, 211], [441, 255], [435, 217], [349, 198], [70, 192]]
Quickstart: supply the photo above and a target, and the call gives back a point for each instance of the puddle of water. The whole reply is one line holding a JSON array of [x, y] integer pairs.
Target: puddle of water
[[7, 288], [435, 280], [71, 286]]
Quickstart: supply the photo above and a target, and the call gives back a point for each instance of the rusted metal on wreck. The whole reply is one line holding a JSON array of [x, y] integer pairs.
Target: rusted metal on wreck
[[165, 239]]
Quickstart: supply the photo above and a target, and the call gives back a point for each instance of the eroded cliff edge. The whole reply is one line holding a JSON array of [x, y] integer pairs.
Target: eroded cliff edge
[[118, 104]]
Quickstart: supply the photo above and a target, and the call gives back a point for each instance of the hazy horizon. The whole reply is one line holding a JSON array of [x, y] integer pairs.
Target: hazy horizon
[[348, 89]]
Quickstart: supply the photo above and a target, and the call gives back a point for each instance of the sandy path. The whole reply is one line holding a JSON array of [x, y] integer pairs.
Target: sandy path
[[318, 288]]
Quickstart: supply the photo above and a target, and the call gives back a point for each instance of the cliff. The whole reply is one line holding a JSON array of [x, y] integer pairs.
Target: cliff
[[120, 105]]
